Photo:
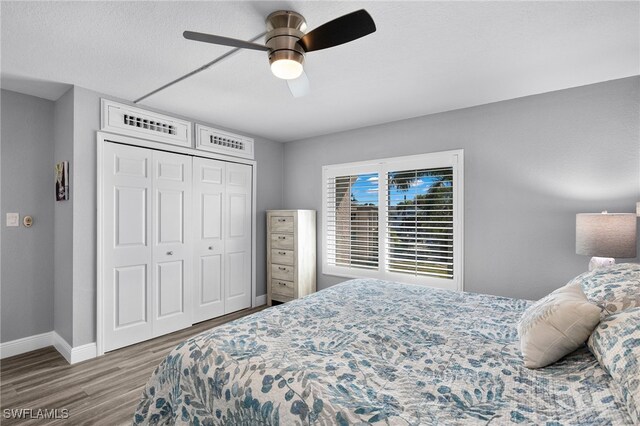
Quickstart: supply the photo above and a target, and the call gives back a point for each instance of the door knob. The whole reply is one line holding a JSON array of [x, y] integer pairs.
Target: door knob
[[210, 247]]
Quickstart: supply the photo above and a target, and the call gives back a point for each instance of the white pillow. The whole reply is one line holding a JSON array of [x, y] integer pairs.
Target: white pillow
[[556, 326]]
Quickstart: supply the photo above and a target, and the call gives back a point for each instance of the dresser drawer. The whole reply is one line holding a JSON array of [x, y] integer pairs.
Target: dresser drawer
[[282, 272], [282, 288], [282, 241], [283, 257], [281, 298], [282, 224]]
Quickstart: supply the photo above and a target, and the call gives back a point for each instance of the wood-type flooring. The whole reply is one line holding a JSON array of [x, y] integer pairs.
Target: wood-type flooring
[[100, 391]]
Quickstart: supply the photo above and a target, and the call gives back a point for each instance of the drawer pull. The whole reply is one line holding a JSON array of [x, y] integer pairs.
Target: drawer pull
[[282, 268], [282, 220], [210, 247], [282, 238], [281, 283], [282, 253], [170, 253]]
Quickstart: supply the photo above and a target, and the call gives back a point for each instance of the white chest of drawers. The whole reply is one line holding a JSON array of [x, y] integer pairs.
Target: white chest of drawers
[[291, 254]]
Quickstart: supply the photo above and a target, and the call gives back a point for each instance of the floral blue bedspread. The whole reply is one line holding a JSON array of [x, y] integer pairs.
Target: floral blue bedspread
[[369, 351]]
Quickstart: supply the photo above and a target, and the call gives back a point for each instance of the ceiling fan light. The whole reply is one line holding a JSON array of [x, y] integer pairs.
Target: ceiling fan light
[[287, 69]]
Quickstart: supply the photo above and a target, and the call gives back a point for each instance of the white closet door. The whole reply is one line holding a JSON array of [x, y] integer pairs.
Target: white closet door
[[172, 251], [237, 236], [126, 245], [208, 267]]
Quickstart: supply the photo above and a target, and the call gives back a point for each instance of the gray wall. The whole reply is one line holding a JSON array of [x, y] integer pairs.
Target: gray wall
[[36, 296], [27, 188], [63, 220], [269, 197], [86, 122], [531, 164]]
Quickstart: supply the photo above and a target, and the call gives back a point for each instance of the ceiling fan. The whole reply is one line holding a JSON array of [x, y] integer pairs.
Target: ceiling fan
[[286, 42]]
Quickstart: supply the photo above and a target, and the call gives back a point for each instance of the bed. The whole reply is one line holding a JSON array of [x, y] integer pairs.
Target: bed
[[370, 351]]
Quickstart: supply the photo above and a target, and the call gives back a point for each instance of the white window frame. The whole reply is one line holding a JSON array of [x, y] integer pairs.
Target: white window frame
[[453, 159]]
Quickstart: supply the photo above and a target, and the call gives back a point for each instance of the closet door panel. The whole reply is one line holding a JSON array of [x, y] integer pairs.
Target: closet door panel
[[237, 261], [238, 204], [130, 216], [172, 249], [209, 244], [210, 281], [170, 206], [130, 296], [237, 266], [170, 278], [126, 243], [211, 214]]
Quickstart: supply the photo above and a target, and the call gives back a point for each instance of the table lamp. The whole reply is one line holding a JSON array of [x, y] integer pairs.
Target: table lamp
[[605, 236]]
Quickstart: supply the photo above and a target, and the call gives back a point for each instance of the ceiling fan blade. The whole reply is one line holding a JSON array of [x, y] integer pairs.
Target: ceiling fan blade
[[299, 87], [225, 41], [339, 31]]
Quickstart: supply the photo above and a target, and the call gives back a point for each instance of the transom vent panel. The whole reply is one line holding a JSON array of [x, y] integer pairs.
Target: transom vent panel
[[133, 121], [226, 142], [223, 142], [143, 123]]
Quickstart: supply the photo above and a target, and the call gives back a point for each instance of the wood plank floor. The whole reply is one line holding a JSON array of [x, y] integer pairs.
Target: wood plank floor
[[101, 391]]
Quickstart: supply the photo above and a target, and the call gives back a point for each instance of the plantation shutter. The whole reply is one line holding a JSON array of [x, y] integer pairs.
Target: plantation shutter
[[419, 222], [397, 219], [352, 221]]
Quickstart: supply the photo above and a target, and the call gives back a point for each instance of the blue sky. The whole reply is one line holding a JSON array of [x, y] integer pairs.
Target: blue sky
[[365, 189]]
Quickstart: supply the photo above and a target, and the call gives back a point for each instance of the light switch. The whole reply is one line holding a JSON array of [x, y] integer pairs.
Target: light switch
[[13, 219]]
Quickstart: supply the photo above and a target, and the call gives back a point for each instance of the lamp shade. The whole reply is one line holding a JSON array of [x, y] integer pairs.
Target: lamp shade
[[606, 234]]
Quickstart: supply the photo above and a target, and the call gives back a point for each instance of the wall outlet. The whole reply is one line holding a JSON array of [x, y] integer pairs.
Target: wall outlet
[[13, 219]]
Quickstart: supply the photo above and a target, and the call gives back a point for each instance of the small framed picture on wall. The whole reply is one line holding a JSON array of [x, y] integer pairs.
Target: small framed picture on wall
[[62, 181]]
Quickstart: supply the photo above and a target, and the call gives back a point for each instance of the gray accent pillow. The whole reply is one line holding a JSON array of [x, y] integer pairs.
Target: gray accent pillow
[[616, 345], [556, 325], [614, 288]]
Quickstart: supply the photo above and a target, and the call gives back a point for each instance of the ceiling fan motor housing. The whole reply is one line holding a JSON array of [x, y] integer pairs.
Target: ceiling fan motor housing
[[284, 29]]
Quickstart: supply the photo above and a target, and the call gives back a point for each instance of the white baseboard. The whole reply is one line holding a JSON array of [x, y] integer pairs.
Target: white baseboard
[[62, 346], [83, 353], [260, 300], [31, 343], [71, 354], [26, 344]]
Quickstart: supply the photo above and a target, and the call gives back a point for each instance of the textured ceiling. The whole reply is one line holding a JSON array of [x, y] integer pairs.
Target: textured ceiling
[[426, 57]]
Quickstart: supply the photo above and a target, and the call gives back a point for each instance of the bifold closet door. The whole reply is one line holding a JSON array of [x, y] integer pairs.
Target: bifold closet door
[[208, 199], [146, 244], [126, 245], [237, 237], [222, 254], [172, 249]]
